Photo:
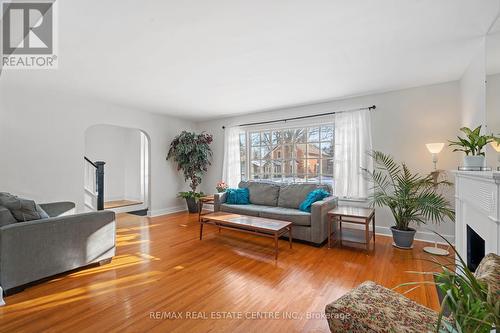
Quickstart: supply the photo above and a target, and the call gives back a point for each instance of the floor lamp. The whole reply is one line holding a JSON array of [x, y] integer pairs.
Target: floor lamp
[[435, 149]]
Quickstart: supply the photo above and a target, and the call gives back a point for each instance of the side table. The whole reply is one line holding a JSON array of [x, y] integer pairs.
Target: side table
[[356, 215], [208, 199]]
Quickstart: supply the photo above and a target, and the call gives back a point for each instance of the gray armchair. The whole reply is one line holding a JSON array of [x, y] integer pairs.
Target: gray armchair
[[34, 250]]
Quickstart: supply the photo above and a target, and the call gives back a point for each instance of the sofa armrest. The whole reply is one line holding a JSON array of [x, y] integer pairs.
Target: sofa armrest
[[319, 218], [219, 198], [34, 250], [62, 208]]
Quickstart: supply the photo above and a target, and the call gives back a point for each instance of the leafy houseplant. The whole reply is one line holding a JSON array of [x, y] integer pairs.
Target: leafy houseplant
[[412, 198], [192, 154], [472, 306], [472, 145]]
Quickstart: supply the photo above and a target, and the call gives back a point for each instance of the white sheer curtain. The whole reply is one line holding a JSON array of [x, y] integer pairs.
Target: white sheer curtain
[[231, 172], [353, 141]]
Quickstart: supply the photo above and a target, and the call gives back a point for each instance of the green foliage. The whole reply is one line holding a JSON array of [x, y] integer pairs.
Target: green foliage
[[412, 198], [474, 142], [192, 154], [190, 194], [472, 307]]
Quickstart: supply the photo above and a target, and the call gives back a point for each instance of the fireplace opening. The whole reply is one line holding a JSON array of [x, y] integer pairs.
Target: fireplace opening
[[475, 249]]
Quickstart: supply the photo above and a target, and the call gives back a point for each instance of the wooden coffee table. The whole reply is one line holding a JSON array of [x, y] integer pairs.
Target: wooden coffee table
[[249, 224]]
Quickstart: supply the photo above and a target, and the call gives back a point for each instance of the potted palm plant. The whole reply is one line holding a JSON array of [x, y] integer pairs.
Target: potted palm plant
[[412, 198], [192, 154], [472, 145]]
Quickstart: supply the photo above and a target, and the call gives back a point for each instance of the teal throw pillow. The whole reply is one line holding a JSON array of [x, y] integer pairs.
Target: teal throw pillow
[[238, 196], [311, 198]]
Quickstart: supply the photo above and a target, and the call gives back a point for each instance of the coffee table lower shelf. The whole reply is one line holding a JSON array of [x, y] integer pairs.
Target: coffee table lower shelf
[[249, 224]]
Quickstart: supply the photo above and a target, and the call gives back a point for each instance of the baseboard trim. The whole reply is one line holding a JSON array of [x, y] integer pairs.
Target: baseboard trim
[[166, 211], [425, 236]]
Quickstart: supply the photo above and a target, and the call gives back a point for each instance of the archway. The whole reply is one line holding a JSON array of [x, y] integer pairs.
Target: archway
[[126, 153]]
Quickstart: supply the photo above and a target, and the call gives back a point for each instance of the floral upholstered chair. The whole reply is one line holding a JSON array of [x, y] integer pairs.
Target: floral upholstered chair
[[373, 308]]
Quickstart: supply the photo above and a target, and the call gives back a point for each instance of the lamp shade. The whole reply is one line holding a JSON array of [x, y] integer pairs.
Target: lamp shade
[[496, 146], [434, 148]]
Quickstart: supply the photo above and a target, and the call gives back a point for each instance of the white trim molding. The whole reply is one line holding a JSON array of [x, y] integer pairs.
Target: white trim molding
[[166, 211], [1, 297]]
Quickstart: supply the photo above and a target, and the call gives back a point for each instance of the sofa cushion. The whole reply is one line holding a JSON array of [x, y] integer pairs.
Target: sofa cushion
[[238, 196], [24, 210], [292, 195], [312, 197], [251, 210], [6, 217], [262, 193], [287, 214]]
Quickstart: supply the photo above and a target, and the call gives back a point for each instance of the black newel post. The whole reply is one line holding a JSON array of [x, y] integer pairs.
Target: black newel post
[[100, 184]]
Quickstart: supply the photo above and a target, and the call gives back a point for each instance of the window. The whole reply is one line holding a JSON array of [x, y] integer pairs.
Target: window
[[293, 155]]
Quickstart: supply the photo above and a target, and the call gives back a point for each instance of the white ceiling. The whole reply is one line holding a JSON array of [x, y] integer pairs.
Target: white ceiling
[[208, 59]]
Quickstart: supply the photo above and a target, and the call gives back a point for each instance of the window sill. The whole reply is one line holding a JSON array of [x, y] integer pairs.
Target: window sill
[[359, 200]]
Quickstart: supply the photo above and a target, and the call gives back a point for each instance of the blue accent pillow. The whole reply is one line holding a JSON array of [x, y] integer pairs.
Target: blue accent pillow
[[238, 196], [311, 198]]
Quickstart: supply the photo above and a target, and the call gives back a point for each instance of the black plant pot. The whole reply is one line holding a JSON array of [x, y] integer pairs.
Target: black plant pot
[[403, 239], [192, 205]]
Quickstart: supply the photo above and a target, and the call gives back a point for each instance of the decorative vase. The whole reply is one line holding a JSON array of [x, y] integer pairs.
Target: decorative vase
[[474, 161], [192, 205], [403, 239]]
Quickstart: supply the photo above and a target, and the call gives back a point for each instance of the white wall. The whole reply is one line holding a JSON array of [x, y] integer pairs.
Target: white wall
[[133, 166], [403, 123], [473, 90], [43, 145], [493, 115], [120, 148]]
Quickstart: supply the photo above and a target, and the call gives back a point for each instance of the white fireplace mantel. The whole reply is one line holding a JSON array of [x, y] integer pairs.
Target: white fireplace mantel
[[477, 198]]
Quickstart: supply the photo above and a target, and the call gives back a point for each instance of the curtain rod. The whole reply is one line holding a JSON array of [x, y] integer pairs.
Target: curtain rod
[[369, 108]]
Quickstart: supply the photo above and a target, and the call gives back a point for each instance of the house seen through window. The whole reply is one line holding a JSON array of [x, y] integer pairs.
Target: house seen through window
[[294, 155]]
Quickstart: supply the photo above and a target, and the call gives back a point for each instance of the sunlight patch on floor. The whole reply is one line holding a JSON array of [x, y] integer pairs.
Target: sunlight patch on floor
[[90, 291]]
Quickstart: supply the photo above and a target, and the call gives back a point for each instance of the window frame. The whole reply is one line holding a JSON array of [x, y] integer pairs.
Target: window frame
[[294, 177]]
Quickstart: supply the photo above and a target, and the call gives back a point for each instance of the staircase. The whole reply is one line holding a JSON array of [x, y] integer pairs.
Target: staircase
[[93, 185]]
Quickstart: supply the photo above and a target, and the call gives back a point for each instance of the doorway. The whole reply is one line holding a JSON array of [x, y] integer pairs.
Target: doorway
[[126, 154]]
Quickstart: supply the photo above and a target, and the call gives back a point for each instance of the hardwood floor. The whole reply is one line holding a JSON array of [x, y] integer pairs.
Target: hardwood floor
[[162, 269]]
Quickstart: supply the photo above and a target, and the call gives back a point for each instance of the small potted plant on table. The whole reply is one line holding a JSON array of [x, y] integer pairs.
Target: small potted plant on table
[[221, 186], [473, 146], [192, 154], [412, 198]]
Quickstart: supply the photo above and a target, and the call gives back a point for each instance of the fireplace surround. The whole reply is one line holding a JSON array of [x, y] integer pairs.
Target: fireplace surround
[[477, 222]]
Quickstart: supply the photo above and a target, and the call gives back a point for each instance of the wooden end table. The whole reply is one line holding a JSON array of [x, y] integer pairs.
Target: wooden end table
[[208, 199], [249, 224], [356, 215]]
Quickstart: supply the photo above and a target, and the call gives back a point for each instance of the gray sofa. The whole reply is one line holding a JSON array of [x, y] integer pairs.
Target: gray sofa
[[281, 202], [34, 250]]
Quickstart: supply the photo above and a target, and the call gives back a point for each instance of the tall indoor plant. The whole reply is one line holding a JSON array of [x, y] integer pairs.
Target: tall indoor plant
[[192, 153], [412, 198], [472, 145]]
